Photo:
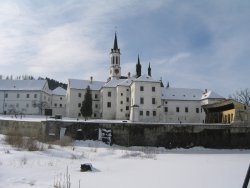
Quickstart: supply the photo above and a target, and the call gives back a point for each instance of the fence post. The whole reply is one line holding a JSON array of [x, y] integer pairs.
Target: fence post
[[245, 184]]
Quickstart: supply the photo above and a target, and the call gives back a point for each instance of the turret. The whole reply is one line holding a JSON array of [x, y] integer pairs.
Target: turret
[[138, 67], [149, 70]]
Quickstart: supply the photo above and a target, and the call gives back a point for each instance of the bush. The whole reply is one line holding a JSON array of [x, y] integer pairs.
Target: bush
[[15, 139], [64, 141], [33, 145]]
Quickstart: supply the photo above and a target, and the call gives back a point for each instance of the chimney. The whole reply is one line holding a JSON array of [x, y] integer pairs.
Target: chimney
[[128, 74], [91, 79]]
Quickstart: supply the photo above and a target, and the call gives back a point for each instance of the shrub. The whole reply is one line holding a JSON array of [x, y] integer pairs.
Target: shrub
[[33, 145], [64, 141], [15, 139]]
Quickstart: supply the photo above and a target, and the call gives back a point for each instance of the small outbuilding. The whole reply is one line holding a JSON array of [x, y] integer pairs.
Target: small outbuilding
[[227, 111]]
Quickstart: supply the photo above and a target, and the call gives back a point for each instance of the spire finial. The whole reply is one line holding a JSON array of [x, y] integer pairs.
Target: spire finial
[[149, 70], [138, 67], [115, 43], [168, 85]]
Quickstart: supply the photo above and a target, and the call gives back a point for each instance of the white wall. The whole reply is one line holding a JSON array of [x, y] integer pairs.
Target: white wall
[[74, 101], [22, 101], [123, 102], [172, 116], [58, 105], [147, 95], [108, 112]]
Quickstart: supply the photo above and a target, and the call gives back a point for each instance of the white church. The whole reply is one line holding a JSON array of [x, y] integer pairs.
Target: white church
[[138, 98]]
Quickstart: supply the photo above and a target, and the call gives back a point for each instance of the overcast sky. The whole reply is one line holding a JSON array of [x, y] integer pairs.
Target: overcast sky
[[190, 43]]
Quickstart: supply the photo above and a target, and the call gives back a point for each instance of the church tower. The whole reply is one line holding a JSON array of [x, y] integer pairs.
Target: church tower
[[115, 68]]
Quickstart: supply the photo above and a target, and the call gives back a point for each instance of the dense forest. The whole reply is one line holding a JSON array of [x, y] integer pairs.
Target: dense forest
[[52, 83]]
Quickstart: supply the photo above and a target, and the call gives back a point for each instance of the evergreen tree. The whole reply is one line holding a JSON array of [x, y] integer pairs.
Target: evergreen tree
[[86, 108]]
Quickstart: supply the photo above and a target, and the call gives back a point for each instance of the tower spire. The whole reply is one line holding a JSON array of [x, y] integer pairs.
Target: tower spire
[[138, 67], [115, 47], [149, 70]]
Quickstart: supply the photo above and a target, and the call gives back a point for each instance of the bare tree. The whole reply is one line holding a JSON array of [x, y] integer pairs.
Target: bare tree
[[242, 96], [41, 105]]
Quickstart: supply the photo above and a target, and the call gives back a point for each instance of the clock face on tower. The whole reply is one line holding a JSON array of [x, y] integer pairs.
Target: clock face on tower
[[116, 71]]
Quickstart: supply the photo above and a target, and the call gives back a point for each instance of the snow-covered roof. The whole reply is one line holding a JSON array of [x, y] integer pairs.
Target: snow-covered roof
[[126, 82], [145, 78], [211, 95], [188, 94], [83, 84], [23, 85], [181, 94], [113, 82], [59, 91]]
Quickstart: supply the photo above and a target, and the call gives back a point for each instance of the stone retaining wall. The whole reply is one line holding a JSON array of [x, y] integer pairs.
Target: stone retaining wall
[[140, 134]]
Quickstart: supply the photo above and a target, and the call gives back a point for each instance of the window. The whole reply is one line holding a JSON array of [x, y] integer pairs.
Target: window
[[121, 94], [127, 107], [186, 109], [27, 105], [109, 94], [121, 110], [60, 98], [96, 106], [18, 95], [166, 109], [147, 113], [60, 105], [197, 110], [44, 97], [127, 99], [201, 109], [79, 105], [141, 113], [141, 100], [141, 88], [79, 95], [55, 104], [166, 102], [28, 96], [35, 96], [94, 114], [6, 95], [96, 96], [153, 89], [127, 89], [153, 100], [109, 104], [121, 102], [154, 113], [17, 105], [177, 109], [79, 114]]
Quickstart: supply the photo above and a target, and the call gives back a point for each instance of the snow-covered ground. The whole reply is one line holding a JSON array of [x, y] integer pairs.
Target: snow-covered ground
[[118, 167]]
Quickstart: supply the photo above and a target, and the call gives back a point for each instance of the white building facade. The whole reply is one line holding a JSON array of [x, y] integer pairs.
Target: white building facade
[[24, 96], [138, 98], [58, 102]]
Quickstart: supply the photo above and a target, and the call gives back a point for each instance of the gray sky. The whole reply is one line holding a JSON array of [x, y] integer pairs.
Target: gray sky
[[190, 43]]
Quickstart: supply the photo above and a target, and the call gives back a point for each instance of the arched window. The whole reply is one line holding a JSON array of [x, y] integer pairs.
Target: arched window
[[116, 59]]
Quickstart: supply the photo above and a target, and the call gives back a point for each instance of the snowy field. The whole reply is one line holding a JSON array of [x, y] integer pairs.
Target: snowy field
[[120, 167]]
